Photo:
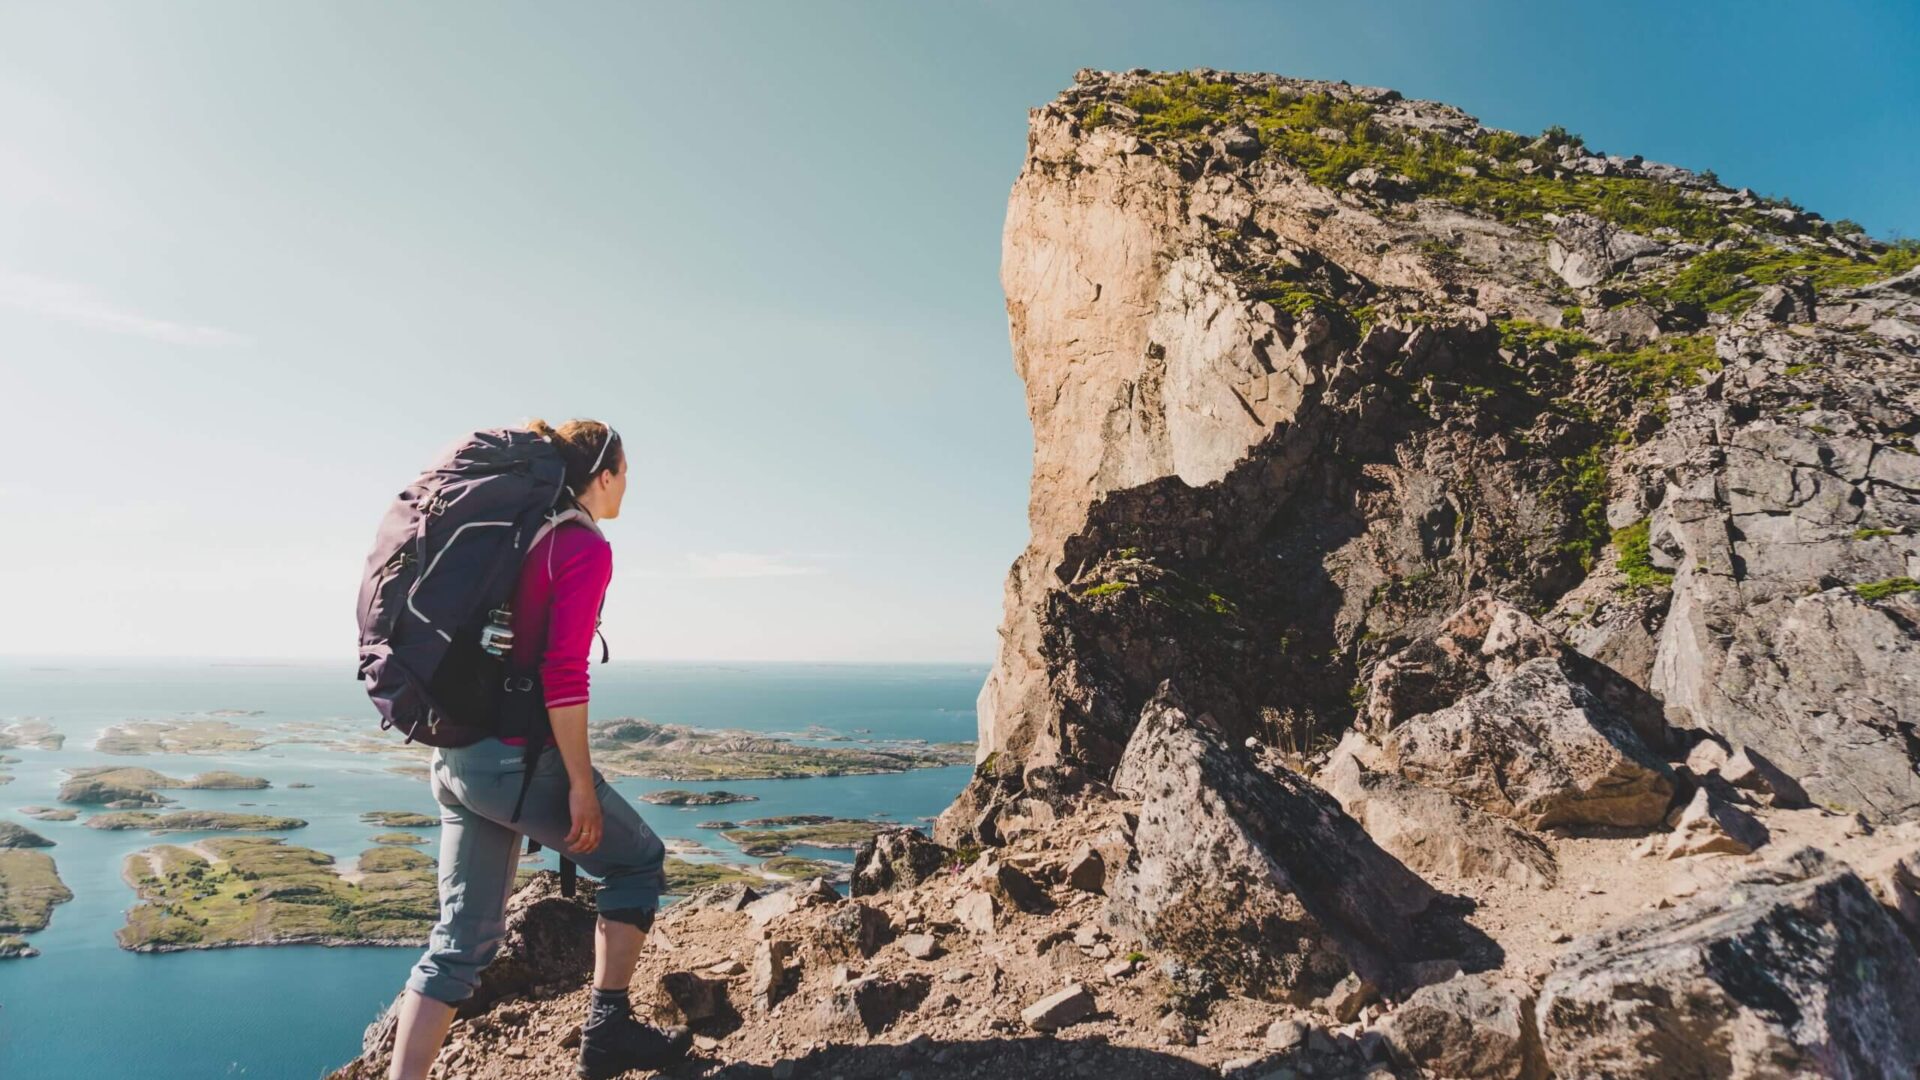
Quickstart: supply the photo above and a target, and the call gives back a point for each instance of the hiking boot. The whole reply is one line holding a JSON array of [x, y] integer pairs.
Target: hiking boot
[[620, 1042]]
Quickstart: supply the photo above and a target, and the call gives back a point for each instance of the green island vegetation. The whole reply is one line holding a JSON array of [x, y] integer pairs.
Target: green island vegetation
[[13, 947], [775, 836], [398, 819], [134, 787], [263, 891], [683, 797], [397, 838], [1886, 589], [192, 820], [15, 835], [30, 887], [641, 748], [684, 876], [799, 866], [390, 858], [178, 737], [1874, 534], [1636, 559]]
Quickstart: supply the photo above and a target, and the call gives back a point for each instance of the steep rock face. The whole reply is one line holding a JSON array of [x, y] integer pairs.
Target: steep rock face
[[1309, 365]]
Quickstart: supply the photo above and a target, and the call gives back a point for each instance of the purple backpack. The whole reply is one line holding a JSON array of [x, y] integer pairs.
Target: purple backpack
[[447, 554]]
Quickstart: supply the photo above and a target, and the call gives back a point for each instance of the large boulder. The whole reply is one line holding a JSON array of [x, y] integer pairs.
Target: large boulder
[[1431, 831], [1241, 868], [1470, 1026], [896, 859], [1585, 250], [1539, 748], [1482, 641], [1792, 970]]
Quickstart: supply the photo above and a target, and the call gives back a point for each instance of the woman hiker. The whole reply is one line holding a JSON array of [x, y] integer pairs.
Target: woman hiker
[[568, 805]]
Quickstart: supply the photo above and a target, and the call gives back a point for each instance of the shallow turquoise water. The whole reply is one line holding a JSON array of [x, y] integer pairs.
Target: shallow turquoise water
[[85, 1008]]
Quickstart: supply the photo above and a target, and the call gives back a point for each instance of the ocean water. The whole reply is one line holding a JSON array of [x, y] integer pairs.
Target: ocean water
[[86, 1008]]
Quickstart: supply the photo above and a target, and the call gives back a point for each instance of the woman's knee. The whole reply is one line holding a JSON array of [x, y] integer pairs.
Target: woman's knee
[[449, 970]]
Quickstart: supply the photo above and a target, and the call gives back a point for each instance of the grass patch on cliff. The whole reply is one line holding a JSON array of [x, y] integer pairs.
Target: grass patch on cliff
[[1665, 364], [1501, 174], [1635, 554], [1582, 483], [1525, 336], [1886, 589], [1728, 281]]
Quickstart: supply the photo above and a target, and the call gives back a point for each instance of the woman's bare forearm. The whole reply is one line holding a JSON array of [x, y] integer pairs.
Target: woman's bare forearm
[[570, 736]]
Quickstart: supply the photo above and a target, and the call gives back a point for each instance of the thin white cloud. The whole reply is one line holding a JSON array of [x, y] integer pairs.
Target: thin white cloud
[[743, 564], [732, 564], [75, 303]]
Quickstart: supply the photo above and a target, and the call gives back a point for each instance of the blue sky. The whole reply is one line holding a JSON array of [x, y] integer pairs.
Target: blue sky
[[258, 261]]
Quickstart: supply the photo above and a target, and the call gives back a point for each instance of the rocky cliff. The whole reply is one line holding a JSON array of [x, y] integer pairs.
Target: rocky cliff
[[1469, 629], [1308, 364]]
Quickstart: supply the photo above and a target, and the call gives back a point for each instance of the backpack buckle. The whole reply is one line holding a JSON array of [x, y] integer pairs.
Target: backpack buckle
[[517, 683]]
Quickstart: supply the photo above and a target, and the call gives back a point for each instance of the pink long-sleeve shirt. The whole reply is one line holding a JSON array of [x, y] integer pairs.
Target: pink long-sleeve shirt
[[556, 608]]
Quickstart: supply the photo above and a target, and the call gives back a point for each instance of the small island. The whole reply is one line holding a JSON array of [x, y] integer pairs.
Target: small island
[[178, 737], [299, 784], [123, 788], [397, 838], [192, 820], [30, 887], [641, 748], [50, 813], [235, 891], [399, 819], [777, 836], [682, 797], [13, 835], [684, 876], [389, 859], [14, 947], [800, 867], [31, 733]]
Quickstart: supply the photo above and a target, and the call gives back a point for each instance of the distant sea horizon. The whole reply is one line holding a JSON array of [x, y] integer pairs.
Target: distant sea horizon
[[297, 1011]]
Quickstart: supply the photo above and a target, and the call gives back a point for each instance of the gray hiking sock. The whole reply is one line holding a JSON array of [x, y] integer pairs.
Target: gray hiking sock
[[605, 1005]]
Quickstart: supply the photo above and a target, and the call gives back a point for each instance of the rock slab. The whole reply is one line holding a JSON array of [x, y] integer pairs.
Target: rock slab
[[1792, 970], [1244, 869]]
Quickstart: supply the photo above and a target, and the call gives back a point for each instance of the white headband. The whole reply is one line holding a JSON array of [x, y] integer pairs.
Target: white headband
[[612, 437]]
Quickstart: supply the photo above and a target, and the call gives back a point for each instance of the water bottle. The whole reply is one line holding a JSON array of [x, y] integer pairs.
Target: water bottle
[[497, 638]]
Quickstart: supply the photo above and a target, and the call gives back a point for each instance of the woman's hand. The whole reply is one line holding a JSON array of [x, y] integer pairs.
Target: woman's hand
[[583, 807]]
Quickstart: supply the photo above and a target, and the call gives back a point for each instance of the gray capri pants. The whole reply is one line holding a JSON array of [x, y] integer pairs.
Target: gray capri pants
[[476, 787]]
